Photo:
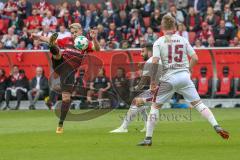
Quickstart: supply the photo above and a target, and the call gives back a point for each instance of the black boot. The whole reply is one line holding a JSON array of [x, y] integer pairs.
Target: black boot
[[17, 106], [52, 41], [52, 44], [32, 107], [146, 142]]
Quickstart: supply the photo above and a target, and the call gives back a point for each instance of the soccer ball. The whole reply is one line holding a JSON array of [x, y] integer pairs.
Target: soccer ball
[[81, 43]]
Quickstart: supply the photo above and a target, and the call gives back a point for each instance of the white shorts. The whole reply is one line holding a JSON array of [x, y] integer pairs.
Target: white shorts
[[179, 82], [147, 95]]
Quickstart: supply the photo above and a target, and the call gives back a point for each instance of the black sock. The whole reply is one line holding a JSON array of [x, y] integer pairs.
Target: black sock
[[8, 95], [64, 110], [18, 104]]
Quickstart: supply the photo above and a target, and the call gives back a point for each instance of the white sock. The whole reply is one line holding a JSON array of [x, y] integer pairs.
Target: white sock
[[143, 111], [206, 113], [152, 119], [131, 114]]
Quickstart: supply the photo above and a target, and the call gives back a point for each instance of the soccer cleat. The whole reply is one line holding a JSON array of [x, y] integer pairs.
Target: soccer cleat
[[119, 130], [224, 134], [54, 49], [59, 130], [53, 38], [145, 142], [31, 107]]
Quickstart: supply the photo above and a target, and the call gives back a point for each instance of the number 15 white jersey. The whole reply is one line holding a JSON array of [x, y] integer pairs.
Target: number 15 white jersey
[[173, 51]]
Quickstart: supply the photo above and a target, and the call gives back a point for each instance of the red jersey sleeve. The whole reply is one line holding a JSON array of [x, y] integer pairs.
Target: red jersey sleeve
[[65, 41], [90, 47]]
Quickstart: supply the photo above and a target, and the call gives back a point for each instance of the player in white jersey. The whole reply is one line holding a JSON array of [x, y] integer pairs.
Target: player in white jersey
[[139, 103], [173, 51]]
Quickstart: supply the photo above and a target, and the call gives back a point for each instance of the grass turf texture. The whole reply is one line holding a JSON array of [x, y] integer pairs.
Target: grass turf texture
[[31, 135]]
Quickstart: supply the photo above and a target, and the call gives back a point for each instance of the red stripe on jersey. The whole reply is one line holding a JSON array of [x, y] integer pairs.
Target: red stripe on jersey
[[155, 94], [71, 55], [62, 43]]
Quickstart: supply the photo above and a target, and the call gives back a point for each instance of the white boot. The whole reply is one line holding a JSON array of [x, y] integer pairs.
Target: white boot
[[119, 130]]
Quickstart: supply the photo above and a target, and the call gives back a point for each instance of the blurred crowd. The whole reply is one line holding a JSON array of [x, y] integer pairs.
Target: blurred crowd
[[18, 87], [206, 23]]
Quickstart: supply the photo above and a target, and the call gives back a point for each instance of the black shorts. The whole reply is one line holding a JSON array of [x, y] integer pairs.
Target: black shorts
[[66, 73]]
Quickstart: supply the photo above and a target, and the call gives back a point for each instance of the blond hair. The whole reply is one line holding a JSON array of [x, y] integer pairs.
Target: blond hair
[[168, 22], [75, 26]]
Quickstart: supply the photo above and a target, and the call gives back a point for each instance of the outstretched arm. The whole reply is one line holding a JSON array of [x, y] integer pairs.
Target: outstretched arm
[[154, 71], [193, 61], [93, 35], [54, 49], [41, 38]]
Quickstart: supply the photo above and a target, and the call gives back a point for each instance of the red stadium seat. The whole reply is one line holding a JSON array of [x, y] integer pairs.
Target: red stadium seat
[[146, 21], [225, 87], [203, 80], [225, 77], [203, 86]]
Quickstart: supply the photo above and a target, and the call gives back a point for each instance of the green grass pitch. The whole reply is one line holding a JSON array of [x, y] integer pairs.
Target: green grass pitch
[[30, 135]]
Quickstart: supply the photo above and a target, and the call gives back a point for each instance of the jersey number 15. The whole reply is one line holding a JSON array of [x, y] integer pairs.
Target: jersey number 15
[[178, 53]]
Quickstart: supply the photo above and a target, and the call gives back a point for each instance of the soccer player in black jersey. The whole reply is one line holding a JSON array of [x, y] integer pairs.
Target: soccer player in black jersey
[[66, 62]]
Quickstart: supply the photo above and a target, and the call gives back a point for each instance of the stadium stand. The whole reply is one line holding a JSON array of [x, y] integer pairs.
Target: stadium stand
[[201, 22], [4, 25]]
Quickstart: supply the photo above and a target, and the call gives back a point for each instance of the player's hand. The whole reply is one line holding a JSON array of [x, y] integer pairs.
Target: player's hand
[[93, 33], [153, 86]]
